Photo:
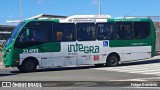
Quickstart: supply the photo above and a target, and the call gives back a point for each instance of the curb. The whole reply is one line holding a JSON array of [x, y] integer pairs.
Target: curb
[[156, 57]]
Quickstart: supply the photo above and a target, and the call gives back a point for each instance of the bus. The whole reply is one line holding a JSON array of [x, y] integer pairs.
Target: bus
[[79, 40]]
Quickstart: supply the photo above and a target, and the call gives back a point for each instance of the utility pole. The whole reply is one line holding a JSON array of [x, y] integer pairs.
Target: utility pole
[[21, 16], [99, 7]]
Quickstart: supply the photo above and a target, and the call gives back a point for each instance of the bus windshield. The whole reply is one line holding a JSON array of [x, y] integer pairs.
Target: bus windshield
[[15, 31]]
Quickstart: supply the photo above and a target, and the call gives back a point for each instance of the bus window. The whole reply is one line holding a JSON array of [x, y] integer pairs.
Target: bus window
[[59, 36], [42, 25], [34, 33], [86, 31], [141, 30], [64, 32], [38, 35], [124, 30], [105, 31]]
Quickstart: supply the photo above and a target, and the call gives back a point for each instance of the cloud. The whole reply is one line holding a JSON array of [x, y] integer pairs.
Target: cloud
[[10, 16], [94, 2], [40, 2]]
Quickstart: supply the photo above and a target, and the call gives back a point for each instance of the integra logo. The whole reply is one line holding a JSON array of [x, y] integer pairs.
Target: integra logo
[[81, 48]]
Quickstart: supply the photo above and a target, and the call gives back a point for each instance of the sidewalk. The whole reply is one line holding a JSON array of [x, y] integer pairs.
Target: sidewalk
[[1, 65], [155, 57]]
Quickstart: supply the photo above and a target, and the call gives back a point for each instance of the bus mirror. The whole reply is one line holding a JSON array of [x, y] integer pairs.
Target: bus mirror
[[27, 32]]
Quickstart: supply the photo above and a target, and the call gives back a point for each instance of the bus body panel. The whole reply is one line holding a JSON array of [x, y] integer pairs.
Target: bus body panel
[[77, 53], [136, 53], [81, 53]]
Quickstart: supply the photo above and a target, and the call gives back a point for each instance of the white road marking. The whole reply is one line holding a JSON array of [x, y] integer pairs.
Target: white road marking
[[151, 69]]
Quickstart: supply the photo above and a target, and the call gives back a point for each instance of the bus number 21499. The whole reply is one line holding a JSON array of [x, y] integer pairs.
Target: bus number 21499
[[30, 50]]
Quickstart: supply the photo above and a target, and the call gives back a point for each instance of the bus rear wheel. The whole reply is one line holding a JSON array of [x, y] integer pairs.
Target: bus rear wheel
[[28, 65], [112, 60]]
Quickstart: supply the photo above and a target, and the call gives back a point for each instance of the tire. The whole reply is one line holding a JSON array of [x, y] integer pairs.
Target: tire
[[112, 60], [19, 67], [29, 65]]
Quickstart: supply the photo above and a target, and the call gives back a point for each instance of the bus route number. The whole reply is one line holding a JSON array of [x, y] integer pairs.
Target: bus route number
[[30, 50]]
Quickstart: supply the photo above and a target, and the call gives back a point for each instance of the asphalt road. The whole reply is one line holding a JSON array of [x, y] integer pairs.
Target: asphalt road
[[88, 76]]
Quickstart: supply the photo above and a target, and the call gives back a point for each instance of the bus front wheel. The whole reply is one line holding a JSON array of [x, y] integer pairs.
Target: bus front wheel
[[28, 65], [112, 60]]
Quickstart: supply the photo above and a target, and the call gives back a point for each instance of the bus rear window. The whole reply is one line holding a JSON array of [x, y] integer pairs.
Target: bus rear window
[[141, 30]]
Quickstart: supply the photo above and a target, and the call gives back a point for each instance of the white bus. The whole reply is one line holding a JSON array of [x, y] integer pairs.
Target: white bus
[[78, 40]]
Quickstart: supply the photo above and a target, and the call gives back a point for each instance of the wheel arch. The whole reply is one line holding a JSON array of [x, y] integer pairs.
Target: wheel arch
[[114, 53], [31, 58]]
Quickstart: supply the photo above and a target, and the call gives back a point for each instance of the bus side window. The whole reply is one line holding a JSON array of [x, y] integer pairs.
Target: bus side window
[[101, 34], [35, 33], [22, 38], [105, 31], [59, 36], [86, 31], [141, 30], [124, 30], [64, 32], [39, 35]]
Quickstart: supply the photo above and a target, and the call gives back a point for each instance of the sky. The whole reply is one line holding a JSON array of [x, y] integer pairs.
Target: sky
[[10, 9]]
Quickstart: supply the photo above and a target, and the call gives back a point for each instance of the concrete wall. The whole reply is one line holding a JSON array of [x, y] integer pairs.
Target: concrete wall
[[157, 27], [158, 40]]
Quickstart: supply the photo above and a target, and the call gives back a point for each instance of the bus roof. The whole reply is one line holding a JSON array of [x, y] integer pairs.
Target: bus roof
[[91, 18], [130, 19]]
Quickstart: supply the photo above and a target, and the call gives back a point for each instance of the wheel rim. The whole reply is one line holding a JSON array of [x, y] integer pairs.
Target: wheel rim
[[113, 61], [29, 65]]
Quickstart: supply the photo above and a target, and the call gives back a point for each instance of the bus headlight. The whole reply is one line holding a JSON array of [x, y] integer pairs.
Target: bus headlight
[[8, 51]]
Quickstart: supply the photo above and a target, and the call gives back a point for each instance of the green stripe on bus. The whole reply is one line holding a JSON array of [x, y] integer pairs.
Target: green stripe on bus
[[128, 43]]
